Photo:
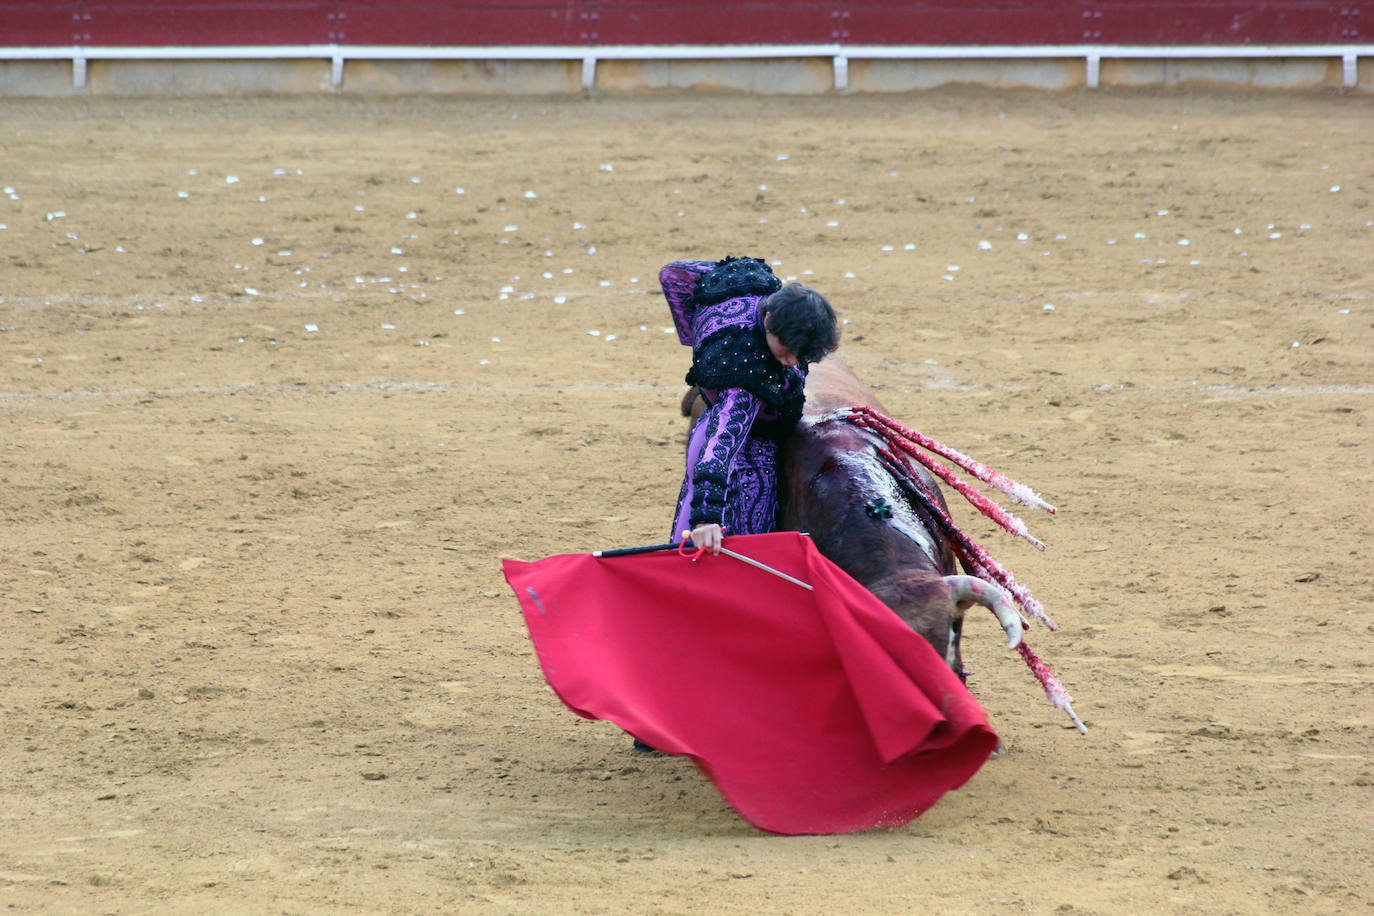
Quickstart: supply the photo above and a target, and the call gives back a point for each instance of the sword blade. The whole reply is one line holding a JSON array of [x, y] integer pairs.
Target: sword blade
[[768, 569]]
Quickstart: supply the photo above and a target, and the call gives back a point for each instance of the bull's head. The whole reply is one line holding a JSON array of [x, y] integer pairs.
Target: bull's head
[[934, 607]]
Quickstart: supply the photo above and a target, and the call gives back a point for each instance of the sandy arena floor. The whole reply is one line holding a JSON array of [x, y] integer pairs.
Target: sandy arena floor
[[284, 379]]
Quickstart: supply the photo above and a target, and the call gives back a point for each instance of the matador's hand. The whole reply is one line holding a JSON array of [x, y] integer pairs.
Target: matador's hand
[[707, 537]]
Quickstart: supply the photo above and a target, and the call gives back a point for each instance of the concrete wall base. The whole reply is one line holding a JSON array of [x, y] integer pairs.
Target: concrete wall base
[[782, 75], [1276, 73], [907, 75]]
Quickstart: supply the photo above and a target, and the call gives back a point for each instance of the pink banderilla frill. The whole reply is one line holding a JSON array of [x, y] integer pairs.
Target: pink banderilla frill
[[1053, 689], [903, 444], [908, 440], [973, 555]]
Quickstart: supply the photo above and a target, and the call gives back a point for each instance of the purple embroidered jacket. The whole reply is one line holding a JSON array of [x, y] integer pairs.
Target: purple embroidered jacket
[[731, 476]]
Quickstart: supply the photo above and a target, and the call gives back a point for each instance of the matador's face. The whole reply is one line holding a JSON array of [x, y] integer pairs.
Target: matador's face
[[780, 351]]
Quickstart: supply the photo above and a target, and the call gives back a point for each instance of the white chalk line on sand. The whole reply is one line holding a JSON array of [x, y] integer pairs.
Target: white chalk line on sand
[[171, 303], [293, 388], [17, 398]]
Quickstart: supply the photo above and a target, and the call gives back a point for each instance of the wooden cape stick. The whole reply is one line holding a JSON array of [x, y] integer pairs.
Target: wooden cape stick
[[627, 551]]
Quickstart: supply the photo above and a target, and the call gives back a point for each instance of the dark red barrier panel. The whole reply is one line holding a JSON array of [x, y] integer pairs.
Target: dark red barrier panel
[[139, 23], [36, 24], [1123, 22], [106, 23], [509, 22]]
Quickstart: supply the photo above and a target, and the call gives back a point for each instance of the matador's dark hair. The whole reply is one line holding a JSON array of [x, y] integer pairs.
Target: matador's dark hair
[[803, 320]]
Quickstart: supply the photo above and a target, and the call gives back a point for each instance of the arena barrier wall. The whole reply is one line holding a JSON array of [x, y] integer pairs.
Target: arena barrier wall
[[210, 47]]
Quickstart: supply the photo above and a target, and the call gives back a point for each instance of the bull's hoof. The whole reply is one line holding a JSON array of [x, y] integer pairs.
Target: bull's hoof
[[642, 748]]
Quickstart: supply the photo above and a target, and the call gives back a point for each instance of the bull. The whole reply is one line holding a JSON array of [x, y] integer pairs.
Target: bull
[[883, 520], [834, 485]]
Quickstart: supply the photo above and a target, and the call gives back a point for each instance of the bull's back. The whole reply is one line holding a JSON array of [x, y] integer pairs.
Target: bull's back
[[831, 385], [815, 457], [831, 473]]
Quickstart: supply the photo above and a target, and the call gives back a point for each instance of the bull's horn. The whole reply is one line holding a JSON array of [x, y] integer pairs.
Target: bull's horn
[[966, 590]]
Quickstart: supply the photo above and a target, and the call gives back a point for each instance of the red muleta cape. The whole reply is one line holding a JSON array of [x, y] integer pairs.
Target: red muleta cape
[[811, 711]]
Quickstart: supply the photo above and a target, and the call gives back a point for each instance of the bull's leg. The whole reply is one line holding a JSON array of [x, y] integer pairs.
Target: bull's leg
[[692, 403], [970, 590]]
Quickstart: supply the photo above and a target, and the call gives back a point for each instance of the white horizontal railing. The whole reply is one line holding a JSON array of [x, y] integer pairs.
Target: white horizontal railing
[[840, 55]]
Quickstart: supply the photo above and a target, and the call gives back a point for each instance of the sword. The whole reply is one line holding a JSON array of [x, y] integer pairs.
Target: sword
[[768, 569], [652, 548]]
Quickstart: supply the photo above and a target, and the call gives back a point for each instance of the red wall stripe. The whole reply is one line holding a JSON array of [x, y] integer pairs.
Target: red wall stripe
[[39, 23]]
